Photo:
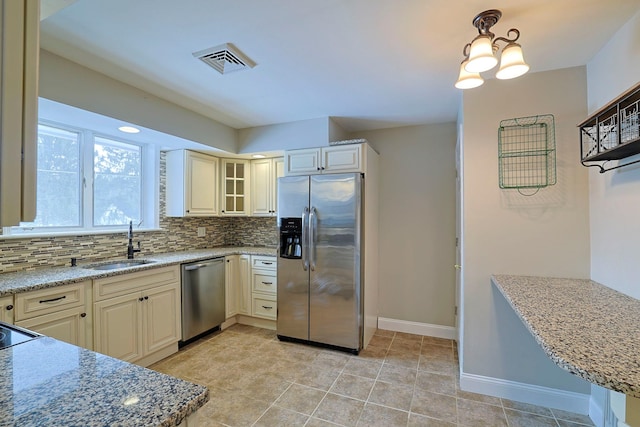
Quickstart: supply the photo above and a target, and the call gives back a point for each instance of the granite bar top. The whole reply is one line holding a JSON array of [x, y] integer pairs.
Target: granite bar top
[[46, 382], [22, 281], [586, 328]]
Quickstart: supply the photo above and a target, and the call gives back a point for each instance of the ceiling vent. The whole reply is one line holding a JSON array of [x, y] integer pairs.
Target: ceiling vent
[[225, 58]]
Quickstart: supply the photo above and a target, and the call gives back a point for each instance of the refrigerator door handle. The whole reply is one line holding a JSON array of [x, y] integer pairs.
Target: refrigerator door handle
[[312, 238], [305, 239]]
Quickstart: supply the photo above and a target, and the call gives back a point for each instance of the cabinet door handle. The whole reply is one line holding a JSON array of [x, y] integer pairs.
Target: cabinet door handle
[[9, 307], [267, 307], [83, 315], [146, 297], [140, 299], [267, 283], [42, 301]]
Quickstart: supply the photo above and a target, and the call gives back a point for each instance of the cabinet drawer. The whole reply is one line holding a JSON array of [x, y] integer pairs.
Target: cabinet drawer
[[264, 262], [123, 284], [265, 307], [265, 283], [50, 300]]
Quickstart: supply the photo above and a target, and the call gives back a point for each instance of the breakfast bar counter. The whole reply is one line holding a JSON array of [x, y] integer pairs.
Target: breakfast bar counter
[[46, 382], [586, 328]]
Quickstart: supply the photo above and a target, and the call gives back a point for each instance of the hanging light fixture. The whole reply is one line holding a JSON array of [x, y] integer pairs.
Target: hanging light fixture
[[480, 54]]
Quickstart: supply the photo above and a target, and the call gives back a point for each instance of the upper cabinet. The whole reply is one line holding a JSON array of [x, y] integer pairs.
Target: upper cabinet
[[235, 187], [19, 33], [334, 159], [264, 185], [191, 184]]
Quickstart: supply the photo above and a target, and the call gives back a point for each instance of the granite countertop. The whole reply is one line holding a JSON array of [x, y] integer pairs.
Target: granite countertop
[[48, 382], [586, 328], [22, 281]]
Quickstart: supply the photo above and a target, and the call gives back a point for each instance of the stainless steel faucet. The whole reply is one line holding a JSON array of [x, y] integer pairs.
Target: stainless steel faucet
[[130, 249]]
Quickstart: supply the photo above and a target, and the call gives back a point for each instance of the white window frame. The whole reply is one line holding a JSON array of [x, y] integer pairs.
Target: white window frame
[[150, 183]]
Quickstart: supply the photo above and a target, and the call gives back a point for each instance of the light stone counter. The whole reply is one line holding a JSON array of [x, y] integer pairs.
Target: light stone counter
[[586, 328], [46, 382], [22, 281]]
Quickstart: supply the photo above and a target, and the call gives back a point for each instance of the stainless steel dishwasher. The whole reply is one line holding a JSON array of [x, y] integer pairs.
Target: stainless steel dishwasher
[[202, 297]]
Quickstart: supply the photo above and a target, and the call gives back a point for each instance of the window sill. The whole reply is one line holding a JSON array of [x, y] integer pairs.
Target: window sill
[[76, 233]]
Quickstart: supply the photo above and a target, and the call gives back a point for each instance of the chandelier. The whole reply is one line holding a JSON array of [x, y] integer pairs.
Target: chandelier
[[480, 54]]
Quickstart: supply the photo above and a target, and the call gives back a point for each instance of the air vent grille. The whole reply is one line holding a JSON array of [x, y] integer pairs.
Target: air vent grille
[[225, 58]]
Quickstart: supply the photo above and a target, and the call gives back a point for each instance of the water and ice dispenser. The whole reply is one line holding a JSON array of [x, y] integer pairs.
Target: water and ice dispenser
[[291, 238]]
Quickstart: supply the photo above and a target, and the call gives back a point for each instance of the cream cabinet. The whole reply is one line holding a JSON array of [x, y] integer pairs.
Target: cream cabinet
[[6, 309], [62, 312], [231, 285], [191, 184], [264, 287], [244, 285], [235, 187], [19, 38], [237, 285], [264, 185], [137, 315], [334, 159]]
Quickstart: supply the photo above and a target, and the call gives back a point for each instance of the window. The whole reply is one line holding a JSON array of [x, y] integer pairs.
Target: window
[[87, 182], [117, 180]]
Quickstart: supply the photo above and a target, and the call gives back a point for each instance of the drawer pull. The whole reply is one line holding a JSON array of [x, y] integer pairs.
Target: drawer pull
[[42, 301], [83, 315], [267, 283], [266, 263], [9, 307], [266, 307]]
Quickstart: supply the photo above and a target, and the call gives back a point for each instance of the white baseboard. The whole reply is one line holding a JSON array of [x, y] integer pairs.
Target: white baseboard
[[527, 393], [417, 328]]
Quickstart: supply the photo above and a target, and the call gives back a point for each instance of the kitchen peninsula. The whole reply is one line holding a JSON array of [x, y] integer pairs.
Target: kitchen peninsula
[[48, 382], [586, 328]]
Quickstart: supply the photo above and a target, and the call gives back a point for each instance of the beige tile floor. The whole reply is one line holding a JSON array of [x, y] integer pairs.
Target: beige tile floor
[[399, 380]]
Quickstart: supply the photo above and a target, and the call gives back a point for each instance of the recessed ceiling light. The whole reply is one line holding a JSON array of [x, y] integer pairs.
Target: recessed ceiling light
[[258, 156], [128, 129]]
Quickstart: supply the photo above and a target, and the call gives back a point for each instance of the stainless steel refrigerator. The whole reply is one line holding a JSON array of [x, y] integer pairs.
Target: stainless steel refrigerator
[[320, 273]]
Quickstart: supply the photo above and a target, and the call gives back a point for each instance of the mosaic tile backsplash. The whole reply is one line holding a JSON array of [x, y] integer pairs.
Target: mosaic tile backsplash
[[176, 234]]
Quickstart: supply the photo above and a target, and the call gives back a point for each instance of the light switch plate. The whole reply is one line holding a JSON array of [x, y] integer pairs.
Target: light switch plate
[[202, 231]]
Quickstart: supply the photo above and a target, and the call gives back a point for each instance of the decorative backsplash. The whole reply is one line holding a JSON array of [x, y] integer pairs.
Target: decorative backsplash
[[176, 234]]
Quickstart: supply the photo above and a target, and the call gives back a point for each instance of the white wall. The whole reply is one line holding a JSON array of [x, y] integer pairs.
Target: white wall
[[417, 222], [505, 232], [614, 197], [284, 136], [72, 84]]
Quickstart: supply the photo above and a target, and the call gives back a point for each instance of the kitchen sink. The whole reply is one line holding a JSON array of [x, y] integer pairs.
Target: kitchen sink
[[114, 265]]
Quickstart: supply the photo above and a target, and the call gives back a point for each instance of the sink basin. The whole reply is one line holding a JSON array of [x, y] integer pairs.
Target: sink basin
[[128, 263]]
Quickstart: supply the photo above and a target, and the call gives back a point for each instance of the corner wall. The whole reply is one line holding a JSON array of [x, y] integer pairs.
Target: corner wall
[[507, 233], [614, 197], [417, 224]]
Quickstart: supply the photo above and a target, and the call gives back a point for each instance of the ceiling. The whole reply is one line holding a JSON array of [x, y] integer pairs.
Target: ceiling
[[368, 63]]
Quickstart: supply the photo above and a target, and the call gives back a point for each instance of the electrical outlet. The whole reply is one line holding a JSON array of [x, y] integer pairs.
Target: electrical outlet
[[202, 231]]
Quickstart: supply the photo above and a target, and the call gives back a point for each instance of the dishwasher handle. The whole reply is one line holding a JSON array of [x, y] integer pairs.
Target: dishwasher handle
[[191, 267]]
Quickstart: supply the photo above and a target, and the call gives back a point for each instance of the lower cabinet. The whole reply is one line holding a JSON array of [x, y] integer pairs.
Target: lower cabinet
[[237, 285], [62, 312], [6, 309], [244, 286], [251, 286], [264, 287], [231, 285], [137, 315]]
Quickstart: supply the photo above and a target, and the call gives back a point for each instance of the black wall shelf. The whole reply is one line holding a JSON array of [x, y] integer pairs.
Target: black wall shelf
[[613, 132]]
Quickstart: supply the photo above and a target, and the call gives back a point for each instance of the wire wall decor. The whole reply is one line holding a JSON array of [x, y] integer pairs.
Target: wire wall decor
[[527, 153]]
